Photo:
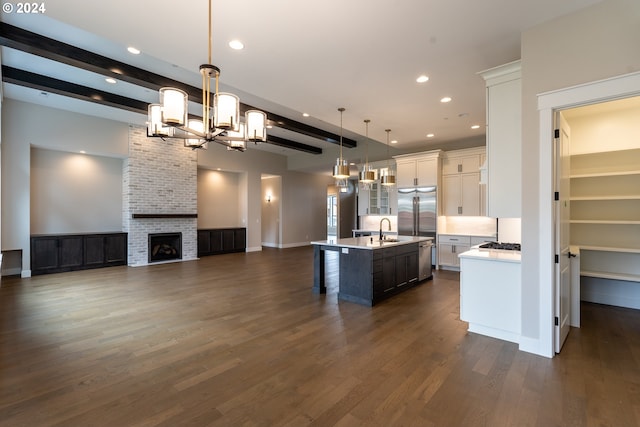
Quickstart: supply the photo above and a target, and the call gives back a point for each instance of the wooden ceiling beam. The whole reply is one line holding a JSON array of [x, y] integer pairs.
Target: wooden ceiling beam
[[36, 44]]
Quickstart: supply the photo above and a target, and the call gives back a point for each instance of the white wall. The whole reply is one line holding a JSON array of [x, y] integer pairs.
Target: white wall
[[218, 199], [272, 189], [304, 195], [75, 193], [595, 43]]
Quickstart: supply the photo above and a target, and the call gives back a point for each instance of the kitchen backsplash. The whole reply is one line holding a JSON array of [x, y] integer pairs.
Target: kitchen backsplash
[[469, 225], [372, 222]]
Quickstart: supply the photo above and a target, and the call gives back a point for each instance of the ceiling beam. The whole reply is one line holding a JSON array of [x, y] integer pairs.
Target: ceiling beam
[[36, 44], [84, 93]]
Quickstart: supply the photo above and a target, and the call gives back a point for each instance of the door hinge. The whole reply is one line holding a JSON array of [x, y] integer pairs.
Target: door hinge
[[557, 320], [556, 196], [557, 259], [556, 133]]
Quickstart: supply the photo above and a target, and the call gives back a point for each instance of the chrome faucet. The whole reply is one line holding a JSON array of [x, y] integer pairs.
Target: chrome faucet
[[389, 221]]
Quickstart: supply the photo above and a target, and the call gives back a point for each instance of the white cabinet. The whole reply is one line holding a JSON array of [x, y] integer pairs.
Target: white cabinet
[[449, 247], [377, 200], [418, 170], [504, 141], [461, 192], [605, 217]]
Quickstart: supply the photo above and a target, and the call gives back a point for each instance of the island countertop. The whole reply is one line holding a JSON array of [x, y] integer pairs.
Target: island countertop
[[366, 243]]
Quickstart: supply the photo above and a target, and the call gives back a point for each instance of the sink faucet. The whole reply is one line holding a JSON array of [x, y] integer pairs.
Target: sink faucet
[[389, 221]]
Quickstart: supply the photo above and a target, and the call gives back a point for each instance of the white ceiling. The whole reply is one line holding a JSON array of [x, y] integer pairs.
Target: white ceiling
[[311, 57]]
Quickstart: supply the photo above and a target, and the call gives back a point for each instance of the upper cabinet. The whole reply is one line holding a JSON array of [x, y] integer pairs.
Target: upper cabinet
[[461, 190], [415, 170], [504, 159]]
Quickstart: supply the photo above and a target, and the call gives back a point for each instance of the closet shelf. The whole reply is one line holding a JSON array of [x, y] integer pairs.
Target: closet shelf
[[609, 275], [602, 221], [605, 198], [601, 174], [607, 249]]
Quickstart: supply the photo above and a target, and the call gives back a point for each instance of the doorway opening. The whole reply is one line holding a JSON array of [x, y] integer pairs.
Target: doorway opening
[[618, 88]]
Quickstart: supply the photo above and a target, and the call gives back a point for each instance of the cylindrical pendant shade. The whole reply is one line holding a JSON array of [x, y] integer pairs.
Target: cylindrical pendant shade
[[366, 175], [174, 106], [256, 126], [341, 169], [198, 126], [155, 127], [388, 180], [237, 140], [226, 111]]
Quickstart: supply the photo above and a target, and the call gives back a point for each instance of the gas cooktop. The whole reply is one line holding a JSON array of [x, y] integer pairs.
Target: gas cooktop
[[500, 246]]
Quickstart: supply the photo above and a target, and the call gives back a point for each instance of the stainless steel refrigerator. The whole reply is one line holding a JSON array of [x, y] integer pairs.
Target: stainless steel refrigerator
[[417, 213], [417, 216]]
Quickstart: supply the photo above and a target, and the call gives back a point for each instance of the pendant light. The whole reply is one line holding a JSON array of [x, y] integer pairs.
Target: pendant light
[[366, 176], [341, 170], [220, 120], [388, 177]]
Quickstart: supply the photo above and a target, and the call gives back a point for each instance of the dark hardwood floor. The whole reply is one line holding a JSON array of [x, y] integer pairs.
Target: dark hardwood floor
[[240, 340]]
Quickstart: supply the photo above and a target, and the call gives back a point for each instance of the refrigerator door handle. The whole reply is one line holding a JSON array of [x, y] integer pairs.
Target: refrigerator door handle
[[416, 215]]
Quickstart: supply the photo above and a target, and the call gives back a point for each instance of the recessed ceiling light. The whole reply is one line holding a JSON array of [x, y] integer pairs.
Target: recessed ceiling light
[[110, 80], [430, 135], [475, 127], [133, 50], [83, 152], [395, 141], [305, 114], [422, 79], [446, 99], [236, 45]]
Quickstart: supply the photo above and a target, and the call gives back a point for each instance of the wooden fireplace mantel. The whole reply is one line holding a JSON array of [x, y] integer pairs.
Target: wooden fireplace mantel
[[161, 215]]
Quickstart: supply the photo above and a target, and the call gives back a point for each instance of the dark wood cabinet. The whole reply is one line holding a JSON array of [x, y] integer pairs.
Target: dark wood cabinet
[[216, 241], [67, 252], [369, 276]]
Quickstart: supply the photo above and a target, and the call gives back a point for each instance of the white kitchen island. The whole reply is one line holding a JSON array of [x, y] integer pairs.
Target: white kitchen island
[[490, 293]]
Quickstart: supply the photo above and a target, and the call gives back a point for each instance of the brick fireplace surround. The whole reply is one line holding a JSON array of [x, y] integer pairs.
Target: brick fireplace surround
[[160, 182]]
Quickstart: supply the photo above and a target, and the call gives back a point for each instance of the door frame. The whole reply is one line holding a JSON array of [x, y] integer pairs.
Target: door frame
[[619, 87]]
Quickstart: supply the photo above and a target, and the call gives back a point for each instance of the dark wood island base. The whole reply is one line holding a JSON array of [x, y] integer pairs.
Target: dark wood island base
[[369, 273]]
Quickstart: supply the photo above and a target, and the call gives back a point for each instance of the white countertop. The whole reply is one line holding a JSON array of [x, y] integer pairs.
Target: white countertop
[[365, 242], [493, 255]]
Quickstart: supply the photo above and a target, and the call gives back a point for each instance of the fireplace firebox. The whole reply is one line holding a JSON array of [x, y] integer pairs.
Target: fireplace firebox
[[165, 247]]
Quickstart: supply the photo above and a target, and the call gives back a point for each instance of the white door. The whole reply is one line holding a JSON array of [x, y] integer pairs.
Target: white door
[[562, 232]]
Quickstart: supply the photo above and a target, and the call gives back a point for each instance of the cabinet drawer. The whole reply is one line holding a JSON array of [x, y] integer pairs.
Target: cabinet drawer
[[454, 239]]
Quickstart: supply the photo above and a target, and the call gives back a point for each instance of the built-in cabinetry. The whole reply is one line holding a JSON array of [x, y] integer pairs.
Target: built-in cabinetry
[[215, 241], [55, 253], [605, 214], [450, 246], [418, 170], [504, 147], [461, 192]]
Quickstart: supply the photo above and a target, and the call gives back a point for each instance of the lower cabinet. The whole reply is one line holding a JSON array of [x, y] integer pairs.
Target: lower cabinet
[[216, 241], [394, 270], [58, 253]]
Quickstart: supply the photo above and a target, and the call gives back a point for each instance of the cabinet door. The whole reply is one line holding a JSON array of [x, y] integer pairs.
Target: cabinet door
[[412, 267], [228, 239], [94, 250], [401, 271], [446, 255], [216, 241], [70, 251], [115, 249], [470, 194], [451, 195], [427, 172], [204, 242], [240, 239], [388, 274], [44, 253], [363, 201], [406, 173]]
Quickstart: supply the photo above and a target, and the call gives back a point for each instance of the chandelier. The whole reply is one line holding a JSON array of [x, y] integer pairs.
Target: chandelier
[[341, 170], [387, 176], [366, 176], [220, 120]]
